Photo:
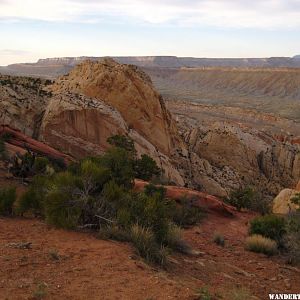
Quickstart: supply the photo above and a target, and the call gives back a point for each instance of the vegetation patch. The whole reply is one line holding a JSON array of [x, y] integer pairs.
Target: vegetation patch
[[269, 226], [97, 193], [259, 244], [7, 200]]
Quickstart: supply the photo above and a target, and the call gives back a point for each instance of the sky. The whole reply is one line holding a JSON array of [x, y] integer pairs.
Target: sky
[[33, 29]]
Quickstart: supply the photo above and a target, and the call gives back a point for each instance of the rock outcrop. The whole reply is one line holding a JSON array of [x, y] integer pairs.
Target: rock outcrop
[[23, 101], [282, 204], [100, 99], [19, 143], [79, 111], [199, 199], [130, 92], [227, 152]]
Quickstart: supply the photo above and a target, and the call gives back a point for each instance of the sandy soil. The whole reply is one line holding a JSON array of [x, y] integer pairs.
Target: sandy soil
[[88, 268], [74, 265]]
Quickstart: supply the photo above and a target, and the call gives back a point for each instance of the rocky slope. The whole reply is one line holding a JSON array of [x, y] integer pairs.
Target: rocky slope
[[216, 149], [228, 152], [22, 102], [129, 91], [80, 111]]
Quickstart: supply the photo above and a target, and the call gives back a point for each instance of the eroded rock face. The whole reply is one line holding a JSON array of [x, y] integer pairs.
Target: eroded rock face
[[22, 103], [226, 156], [101, 99], [129, 91], [282, 204]]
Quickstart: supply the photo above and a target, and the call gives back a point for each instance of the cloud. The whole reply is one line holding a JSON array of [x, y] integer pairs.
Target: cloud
[[14, 52], [220, 13]]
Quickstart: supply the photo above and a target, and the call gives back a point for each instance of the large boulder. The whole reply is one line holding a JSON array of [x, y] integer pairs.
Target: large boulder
[[282, 204]]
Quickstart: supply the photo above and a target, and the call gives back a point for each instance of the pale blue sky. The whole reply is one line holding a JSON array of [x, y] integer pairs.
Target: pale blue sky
[[32, 29]]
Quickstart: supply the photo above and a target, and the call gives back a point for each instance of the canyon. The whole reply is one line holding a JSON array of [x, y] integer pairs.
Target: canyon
[[226, 128]]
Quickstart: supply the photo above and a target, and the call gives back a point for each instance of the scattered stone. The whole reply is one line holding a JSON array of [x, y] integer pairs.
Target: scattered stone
[[23, 245]]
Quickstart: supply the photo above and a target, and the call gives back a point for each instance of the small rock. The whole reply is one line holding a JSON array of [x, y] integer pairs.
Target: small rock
[[26, 245]]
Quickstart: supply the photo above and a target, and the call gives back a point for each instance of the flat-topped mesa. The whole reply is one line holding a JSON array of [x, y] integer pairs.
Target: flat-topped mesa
[[128, 90]]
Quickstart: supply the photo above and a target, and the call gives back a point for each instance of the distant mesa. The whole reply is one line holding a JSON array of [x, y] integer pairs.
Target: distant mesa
[[54, 67]]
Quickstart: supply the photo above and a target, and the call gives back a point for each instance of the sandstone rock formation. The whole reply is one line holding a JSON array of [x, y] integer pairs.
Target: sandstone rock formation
[[19, 143], [199, 199], [282, 204], [129, 91], [226, 154], [78, 112], [22, 103], [100, 99], [298, 187]]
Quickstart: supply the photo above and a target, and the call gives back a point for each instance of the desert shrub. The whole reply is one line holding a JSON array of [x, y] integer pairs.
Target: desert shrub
[[146, 168], [219, 239], [185, 214], [260, 244], [270, 226], [62, 203], [33, 199], [175, 241], [204, 294], [296, 199], [7, 199], [147, 247], [40, 164], [40, 292], [151, 190], [248, 198], [292, 238], [23, 165], [114, 232], [120, 164], [124, 142]]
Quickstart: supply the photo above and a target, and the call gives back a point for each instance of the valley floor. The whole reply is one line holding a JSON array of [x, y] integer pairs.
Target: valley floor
[[71, 265]]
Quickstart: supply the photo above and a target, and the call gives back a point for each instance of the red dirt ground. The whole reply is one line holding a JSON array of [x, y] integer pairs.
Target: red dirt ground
[[89, 268]]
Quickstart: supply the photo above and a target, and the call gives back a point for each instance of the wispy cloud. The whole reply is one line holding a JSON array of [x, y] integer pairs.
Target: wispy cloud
[[14, 52], [223, 13]]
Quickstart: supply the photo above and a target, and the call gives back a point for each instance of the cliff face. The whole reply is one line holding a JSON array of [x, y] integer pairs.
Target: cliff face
[[227, 153], [100, 99], [22, 103], [129, 91]]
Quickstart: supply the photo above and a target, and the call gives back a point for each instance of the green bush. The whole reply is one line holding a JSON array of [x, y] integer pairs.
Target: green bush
[[146, 168], [62, 204], [33, 199], [260, 244], [185, 214], [219, 239], [97, 193], [296, 199], [204, 294], [144, 241], [40, 164], [123, 142], [114, 233], [270, 226], [120, 164], [292, 238], [248, 198], [7, 200]]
